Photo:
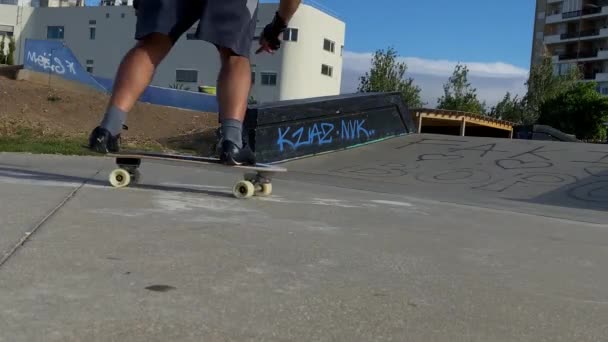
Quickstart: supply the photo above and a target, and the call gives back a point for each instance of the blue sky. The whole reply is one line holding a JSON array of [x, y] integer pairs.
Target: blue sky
[[468, 30], [493, 38]]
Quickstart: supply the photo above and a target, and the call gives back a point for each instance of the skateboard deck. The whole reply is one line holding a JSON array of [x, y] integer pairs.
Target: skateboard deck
[[257, 178]]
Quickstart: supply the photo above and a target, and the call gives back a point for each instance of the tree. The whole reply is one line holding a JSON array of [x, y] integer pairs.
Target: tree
[[510, 109], [543, 85], [10, 58], [580, 110], [2, 55], [387, 75], [459, 95]]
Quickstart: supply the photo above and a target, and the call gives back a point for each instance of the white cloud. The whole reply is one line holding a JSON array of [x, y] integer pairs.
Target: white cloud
[[492, 80]]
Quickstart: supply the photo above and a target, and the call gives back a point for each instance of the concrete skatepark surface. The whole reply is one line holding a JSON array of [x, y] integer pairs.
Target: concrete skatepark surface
[[421, 238]]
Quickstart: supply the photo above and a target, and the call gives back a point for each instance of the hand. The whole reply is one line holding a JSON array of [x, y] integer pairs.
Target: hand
[[269, 39], [266, 47]]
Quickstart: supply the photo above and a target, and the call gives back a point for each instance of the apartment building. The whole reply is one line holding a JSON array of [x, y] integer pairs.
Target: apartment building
[[574, 33], [309, 64]]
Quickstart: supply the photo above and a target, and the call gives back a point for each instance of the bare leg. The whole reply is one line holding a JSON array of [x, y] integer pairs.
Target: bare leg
[[234, 84], [133, 76], [137, 69]]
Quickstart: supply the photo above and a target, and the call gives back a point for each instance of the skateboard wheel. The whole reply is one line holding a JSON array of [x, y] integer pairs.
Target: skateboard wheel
[[243, 189], [120, 178], [265, 189]]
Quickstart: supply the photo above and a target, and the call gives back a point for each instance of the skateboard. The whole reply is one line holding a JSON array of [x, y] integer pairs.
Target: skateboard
[[257, 178]]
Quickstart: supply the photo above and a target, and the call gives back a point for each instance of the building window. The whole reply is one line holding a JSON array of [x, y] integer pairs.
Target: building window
[[6, 30], [92, 22], [107, 15], [291, 34], [122, 15], [92, 32], [253, 74], [54, 32], [328, 45], [269, 78], [342, 50], [186, 76], [327, 70], [89, 65]]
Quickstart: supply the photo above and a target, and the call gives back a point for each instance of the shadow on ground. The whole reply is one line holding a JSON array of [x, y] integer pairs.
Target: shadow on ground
[[33, 176], [586, 193]]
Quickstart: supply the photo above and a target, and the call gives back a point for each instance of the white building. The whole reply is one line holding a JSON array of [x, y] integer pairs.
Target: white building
[[309, 63]]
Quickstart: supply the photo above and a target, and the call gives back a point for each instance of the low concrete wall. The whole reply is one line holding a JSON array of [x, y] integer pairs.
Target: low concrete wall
[[10, 71], [293, 129]]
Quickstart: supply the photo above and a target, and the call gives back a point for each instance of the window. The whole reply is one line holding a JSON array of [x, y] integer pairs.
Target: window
[[54, 32], [186, 76], [253, 74], [342, 50], [6, 30], [92, 32], [328, 45], [269, 78], [291, 34], [107, 15], [92, 22], [89, 65], [327, 70], [122, 15]]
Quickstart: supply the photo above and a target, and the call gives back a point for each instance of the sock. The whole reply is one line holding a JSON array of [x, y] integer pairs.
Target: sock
[[232, 130], [113, 120]]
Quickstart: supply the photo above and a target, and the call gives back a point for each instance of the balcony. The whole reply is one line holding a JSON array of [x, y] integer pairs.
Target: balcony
[[575, 36], [576, 56], [581, 34], [601, 77], [586, 13], [583, 56]]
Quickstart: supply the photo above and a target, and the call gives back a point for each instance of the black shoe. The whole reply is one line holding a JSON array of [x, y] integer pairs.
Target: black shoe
[[102, 141], [233, 155]]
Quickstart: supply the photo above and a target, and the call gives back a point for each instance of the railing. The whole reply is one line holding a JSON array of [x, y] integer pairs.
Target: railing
[[586, 11], [585, 54], [586, 33]]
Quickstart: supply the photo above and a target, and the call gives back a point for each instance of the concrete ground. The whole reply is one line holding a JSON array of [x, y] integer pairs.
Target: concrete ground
[[419, 238]]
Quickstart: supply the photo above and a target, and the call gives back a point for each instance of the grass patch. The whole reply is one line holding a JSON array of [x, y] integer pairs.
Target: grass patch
[[30, 140]]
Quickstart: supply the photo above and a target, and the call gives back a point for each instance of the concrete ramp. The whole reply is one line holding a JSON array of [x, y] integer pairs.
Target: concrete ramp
[[557, 179]]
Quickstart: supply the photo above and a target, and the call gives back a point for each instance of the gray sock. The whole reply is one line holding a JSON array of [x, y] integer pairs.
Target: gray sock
[[113, 120], [232, 130]]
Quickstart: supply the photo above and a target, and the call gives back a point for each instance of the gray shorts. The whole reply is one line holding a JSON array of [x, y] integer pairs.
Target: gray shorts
[[224, 23]]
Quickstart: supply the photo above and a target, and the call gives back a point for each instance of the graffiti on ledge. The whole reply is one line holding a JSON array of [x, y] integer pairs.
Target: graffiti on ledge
[[323, 133]]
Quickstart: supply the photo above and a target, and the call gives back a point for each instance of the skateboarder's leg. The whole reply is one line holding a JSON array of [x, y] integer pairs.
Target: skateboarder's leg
[[137, 69], [160, 23], [133, 76], [230, 26], [234, 84]]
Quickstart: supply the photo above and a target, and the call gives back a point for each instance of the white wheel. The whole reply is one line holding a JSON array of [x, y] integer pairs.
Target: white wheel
[[120, 178], [243, 189], [265, 189]]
